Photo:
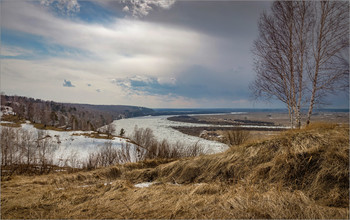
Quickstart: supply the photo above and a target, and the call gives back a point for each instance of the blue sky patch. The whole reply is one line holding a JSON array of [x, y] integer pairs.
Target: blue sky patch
[[35, 47], [149, 86], [68, 83], [93, 13]]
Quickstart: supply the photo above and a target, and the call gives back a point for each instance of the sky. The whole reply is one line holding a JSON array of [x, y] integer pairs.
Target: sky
[[158, 54]]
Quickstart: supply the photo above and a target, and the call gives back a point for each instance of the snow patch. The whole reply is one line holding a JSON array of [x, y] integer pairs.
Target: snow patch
[[6, 110], [110, 183], [6, 122], [84, 186], [143, 185]]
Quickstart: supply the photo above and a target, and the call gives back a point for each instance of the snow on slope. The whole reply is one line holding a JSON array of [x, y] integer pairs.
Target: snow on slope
[[73, 149]]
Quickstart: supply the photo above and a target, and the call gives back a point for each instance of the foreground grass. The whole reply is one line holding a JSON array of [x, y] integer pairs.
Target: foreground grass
[[120, 199], [300, 174]]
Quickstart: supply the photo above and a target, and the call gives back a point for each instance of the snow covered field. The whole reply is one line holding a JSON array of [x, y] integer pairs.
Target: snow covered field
[[73, 149]]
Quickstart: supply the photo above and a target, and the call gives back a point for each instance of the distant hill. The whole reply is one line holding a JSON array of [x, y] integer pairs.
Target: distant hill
[[69, 116], [121, 110]]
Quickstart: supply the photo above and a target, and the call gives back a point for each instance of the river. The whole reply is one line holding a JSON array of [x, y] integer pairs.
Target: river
[[161, 128]]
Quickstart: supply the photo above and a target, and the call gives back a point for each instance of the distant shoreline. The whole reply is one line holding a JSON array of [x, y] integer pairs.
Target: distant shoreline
[[212, 111]]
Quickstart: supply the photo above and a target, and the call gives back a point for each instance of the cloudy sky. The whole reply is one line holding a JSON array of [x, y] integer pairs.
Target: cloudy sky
[[149, 53]]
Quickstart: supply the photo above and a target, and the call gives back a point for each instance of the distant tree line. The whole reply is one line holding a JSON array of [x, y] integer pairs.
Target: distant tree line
[[69, 116]]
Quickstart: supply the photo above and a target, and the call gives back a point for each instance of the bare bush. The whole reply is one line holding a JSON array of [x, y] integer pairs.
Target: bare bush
[[45, 147], [236, 137], [193, 150], [23, 151], [91, 162], [73, 159], [145, 147], [28, 147], [145, 139], [7, 145], [109, 155], [126, 152], [122, 132], [110, 129]]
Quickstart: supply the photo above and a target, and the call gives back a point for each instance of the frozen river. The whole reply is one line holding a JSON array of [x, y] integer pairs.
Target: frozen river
[[161, 128]]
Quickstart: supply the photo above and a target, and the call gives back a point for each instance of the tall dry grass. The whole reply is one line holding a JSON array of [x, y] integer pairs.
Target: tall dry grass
[[236, 137], [89, 197]]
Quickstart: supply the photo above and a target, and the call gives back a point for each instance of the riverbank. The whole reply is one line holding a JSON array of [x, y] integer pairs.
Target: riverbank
[[259, 124], [259, 118]]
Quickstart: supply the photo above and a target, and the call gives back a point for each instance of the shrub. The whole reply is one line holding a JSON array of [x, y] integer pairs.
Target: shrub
[[152, 148], [122, 132], [236, 137]]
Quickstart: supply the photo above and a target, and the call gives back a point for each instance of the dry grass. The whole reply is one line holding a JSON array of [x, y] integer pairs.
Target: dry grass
[[236, 137], [16, 121], [95, 135], [300, 174], [11, 125], [47, 127], [89, 197]]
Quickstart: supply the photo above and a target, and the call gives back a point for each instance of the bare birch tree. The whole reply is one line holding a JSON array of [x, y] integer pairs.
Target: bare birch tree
[[280, 54], [328, 70], [298, 53], [28, 147]]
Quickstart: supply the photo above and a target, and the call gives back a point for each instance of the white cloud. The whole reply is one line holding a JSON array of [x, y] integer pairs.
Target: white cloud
[[167, 80], [6, 50], [124, 37], [141, 8], [120, 49], [126, 8], [64, 6], [127, 46], [43, 79]]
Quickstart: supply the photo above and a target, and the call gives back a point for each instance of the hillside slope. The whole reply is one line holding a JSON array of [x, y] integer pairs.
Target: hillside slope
[[299, 174], [68, 116]]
